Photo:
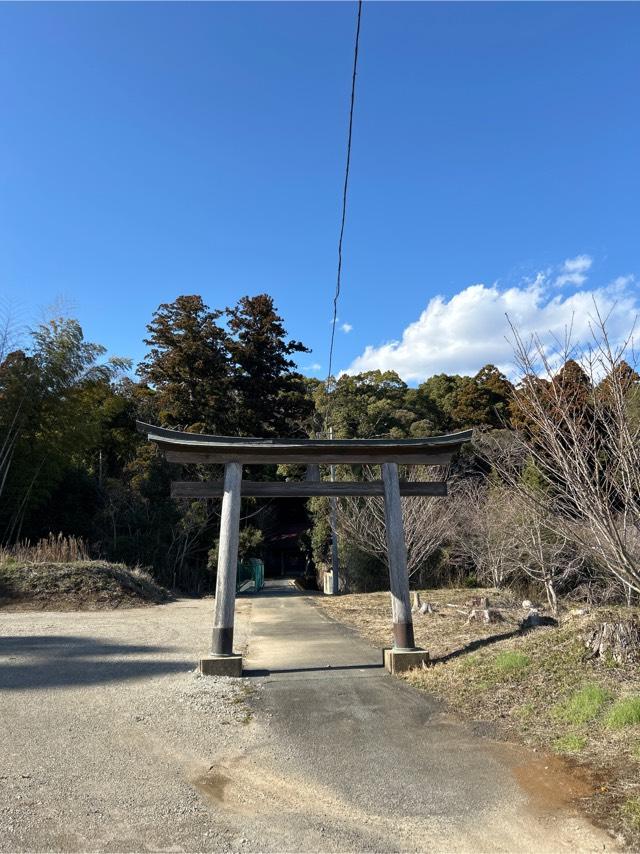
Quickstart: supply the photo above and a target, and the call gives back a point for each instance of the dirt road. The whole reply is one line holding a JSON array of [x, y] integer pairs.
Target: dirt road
[[110, 742]]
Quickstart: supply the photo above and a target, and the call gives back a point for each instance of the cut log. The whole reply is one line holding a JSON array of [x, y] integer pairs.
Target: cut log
[[619, 641], [426, 608]]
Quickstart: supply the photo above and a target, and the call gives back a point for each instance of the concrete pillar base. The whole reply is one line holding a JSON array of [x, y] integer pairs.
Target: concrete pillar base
[[221, 665], [399, 660]]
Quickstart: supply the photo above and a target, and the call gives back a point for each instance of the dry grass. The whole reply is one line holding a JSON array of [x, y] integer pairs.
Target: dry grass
[[442, 633], [51, 549], [537, 687]]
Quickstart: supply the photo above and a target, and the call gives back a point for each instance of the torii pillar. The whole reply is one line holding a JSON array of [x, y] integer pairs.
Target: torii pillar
[[223, 661], [404, 654]]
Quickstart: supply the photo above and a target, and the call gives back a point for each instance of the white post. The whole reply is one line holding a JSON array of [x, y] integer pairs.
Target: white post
[[397, 555], [227, 561]]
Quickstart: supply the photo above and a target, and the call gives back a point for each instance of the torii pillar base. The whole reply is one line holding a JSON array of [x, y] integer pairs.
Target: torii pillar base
[[221, 665], [398, 660]]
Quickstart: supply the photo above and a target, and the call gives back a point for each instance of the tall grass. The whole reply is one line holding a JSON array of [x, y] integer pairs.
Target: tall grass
[[51, 549]]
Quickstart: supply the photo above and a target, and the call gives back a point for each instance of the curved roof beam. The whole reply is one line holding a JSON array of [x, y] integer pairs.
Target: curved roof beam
[[182, 447]]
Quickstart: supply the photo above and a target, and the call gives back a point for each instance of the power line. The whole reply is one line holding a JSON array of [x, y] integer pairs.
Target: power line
[[344, 193]]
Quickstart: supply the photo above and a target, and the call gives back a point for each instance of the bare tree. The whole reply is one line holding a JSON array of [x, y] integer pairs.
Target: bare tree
[[545, 555], [485, 531], [427, 521], [584, 442]]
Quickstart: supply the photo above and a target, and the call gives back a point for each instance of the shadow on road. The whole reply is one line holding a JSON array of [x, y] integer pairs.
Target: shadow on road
[[60, 661], [325, 668]]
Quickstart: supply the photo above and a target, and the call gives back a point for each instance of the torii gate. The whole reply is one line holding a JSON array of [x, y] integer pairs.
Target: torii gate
[[234, 452]]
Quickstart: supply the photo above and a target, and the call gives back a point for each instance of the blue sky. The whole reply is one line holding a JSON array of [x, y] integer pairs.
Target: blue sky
[[149, 150]]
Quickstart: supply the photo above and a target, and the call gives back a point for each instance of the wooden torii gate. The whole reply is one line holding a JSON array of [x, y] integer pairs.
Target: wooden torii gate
[[233, 453]]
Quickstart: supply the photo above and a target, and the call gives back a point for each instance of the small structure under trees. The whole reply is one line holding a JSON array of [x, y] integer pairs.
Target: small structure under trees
[[234, 452]]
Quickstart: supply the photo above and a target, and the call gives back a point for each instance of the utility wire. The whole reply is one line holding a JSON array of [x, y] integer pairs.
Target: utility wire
[[333, 504], [344, 194]]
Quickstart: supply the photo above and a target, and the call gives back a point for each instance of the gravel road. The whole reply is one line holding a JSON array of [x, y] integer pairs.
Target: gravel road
[[111, 742], [107, 729]]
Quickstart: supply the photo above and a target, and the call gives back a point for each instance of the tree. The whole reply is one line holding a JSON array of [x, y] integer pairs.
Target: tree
[[427, 521], [438, 396], [48, 395], [545, 555], [269, 396], [481, 400], [367, 405], [584, 440], [188, 367], [485, 533]]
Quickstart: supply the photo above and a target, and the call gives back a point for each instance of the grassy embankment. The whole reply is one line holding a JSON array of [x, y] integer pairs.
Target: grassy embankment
[[537, 687], [58, 574]]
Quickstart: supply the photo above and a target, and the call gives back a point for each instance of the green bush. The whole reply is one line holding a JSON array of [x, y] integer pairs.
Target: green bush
[[624, 713]]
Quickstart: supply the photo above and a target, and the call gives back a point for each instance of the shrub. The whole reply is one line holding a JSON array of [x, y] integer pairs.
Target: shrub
[[624, 713]]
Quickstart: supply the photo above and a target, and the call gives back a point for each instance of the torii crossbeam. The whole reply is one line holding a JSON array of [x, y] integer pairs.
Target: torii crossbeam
[[234, 452]]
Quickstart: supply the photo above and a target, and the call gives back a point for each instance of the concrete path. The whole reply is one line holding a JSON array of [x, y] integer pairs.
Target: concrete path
[[358, 760], [110, 742]]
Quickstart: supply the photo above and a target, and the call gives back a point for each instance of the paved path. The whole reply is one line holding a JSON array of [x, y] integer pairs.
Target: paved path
[[361, 761], [110, 742]]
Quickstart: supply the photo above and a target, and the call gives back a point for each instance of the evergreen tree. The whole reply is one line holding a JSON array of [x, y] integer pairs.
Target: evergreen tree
[[366, 405], [482, 400], [438, 396], [187, 366], [269, 396]]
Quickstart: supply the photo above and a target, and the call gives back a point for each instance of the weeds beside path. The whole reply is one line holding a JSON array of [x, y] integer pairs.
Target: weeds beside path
[[537, 687]]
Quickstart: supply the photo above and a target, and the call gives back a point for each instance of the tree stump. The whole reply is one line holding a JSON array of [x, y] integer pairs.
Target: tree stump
[[619, 641], [420, 607], [485, 615]]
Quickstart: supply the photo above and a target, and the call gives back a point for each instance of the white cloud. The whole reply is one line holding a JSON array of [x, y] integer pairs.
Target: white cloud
[[574, 270], [316, 366], [461, 334], [346, 328]]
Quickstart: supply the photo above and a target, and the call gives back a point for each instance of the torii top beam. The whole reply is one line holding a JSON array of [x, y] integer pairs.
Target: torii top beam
[[181, 447]]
